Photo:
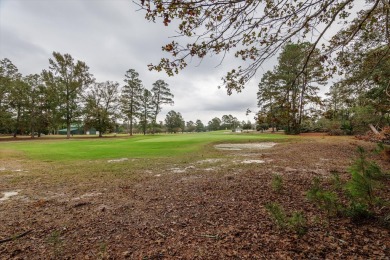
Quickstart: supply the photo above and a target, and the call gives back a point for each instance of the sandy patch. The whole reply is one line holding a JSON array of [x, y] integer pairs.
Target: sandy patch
[[8, 194], [88, 195], [252, 161], [209, 161], [177, 170], [238, 147], [118, 160], [182, 170]]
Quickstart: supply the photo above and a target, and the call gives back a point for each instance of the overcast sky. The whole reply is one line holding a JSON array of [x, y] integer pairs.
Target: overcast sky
[[111, 36]]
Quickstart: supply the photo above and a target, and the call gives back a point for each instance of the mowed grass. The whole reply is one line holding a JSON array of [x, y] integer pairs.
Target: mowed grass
[[139, 146]]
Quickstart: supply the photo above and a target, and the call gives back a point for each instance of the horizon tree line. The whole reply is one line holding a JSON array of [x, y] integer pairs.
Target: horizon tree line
[[67, 93]]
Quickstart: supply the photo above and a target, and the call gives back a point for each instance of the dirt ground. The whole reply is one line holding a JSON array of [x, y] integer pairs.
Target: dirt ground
[[210, 209]]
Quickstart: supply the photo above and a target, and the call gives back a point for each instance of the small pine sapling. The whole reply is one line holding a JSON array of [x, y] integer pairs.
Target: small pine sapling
[[297, 221], [277, 213], [326, 200], [277, 183], [365, 176]]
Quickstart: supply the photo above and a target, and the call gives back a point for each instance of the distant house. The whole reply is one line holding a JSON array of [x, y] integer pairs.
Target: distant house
[[74, 130], [91, 131], [237, 130]]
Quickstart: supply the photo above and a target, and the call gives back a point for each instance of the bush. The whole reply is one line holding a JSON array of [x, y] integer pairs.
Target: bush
[[297, 221], [336, 132], [337, 184], [277, 214], [364, 179], [277, 183], [358, 212], [326, 200], [262, 127], [361, 191]]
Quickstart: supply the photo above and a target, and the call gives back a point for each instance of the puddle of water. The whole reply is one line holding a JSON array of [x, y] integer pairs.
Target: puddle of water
[[209, 161], [238, 147], [228, 149], [118, 160], [252, 161], [8, 194], [178, 170], [87, 195]]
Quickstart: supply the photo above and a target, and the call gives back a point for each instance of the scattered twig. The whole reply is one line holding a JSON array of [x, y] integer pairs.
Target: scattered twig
[[80, 204], [210, 236], [15, 237], [159, 233]]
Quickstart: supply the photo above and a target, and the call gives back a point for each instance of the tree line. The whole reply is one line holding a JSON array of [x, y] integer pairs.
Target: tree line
[[175, 123], [67, 93], [355, 101], [356, 56]]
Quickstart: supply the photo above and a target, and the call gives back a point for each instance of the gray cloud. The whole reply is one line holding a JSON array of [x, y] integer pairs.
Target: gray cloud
[[112, 37]]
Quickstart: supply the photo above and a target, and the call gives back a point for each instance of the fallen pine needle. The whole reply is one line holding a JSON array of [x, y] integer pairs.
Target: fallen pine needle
[[15, 237]]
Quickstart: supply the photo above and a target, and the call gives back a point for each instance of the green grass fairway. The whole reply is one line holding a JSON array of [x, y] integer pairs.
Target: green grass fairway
[[150, 146]]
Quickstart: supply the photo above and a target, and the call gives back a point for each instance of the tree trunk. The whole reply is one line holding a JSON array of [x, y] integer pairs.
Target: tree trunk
[[373, 129], [131, 125], [17, 122], [67, 114], [301, 101], [67, 128]]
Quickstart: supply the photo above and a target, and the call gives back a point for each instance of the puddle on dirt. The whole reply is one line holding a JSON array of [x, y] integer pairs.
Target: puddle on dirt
[[210, 169], [118, 160], [239, 147], [88, 195], [209, 161], [179, 170], [8, 194], [19, 170], [252, 161]]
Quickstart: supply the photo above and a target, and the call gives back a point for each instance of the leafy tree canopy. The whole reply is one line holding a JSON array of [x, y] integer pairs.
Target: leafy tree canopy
[[257, 29]]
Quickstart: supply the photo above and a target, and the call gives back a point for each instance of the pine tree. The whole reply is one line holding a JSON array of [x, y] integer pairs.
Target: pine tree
[[131, 96]]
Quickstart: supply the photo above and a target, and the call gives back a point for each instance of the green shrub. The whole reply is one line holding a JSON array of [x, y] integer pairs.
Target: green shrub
[[277, 183], [337, 184], [361, 191], [364, 179], [326, 200], [277, 214], [55, 241], [358, 211], [296, 223]]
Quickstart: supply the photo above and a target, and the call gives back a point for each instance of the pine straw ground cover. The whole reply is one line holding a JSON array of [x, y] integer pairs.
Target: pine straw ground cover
[[186, 209]]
